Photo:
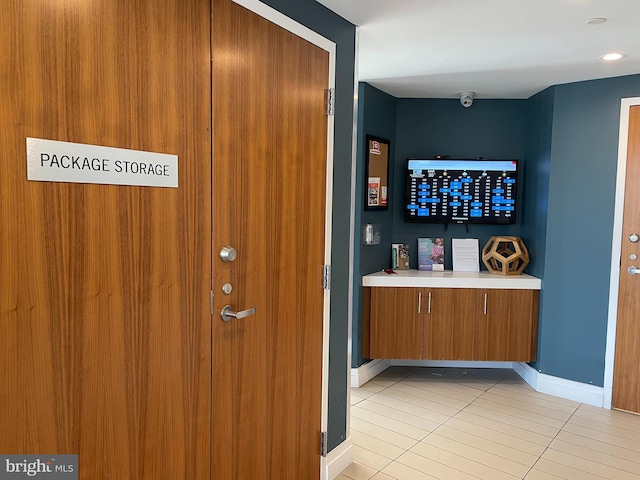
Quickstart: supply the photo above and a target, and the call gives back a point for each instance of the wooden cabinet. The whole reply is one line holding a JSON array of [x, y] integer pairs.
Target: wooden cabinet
[[396, 326], [450, 324], [453, 323], [508, 326]]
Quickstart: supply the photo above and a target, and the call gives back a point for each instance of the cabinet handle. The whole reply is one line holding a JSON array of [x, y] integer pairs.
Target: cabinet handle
[[429, 306], [419, 301], [485, 303]]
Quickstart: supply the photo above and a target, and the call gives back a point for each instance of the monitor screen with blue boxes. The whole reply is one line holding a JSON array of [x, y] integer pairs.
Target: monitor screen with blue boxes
[[447, 190]]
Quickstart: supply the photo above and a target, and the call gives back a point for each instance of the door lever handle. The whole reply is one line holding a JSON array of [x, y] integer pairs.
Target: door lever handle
[[227, 314], [633, 270]]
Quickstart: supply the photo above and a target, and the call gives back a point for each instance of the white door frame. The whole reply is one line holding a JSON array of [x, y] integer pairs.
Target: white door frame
[[616, 248], [301, 31]]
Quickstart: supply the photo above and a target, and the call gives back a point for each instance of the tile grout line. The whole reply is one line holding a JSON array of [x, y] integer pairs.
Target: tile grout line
[[470, 403], [490, 384], [375, 393], [443, 424], [405, 450], [554, 437], [418, 441], [582, 436]]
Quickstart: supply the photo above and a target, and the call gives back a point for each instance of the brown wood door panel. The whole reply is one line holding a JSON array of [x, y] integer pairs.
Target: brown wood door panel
[[104, 310], [269, 154], [626, 374], [507, 331], [396, 324], [450, 324]]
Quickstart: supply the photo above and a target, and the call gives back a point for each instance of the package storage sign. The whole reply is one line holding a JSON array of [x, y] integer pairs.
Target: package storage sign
[[54, 161]]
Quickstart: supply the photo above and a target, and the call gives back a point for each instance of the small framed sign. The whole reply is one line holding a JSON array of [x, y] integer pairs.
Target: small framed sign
[[56, 161], [376, 173]]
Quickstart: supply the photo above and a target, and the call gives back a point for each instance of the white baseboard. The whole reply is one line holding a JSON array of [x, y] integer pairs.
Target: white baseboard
[[450, 364], [337, 460], [365, 372], [560, 387], [528, 373]]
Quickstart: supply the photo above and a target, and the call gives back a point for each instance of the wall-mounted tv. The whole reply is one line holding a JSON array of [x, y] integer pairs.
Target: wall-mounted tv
[[461, 191]]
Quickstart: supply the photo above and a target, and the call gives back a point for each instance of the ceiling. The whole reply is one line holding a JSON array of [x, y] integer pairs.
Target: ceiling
[[496, 48]]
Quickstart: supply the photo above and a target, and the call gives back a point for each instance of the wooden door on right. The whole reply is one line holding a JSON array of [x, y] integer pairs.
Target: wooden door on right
[[626, 372]]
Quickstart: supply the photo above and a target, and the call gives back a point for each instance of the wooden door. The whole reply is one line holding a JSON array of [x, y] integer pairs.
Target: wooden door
[[507, 325], [450, 324], [626, 373], [396, 323], [104, 290], [269, 155]]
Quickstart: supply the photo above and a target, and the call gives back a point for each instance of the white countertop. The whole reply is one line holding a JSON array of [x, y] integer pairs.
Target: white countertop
[[451, 279]]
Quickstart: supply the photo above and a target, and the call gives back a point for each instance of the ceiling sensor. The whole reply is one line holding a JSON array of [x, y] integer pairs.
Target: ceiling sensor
[[596, 21], [466, 98]]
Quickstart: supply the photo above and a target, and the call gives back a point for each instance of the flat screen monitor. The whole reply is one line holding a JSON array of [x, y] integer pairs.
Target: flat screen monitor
[[461, 191]]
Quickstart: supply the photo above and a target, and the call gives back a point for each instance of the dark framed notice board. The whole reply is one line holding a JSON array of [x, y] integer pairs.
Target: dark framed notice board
[[376, 173]]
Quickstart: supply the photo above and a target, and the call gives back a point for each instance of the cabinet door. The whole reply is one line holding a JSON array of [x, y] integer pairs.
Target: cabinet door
[[396, 326], [450, 323], [508, 325]]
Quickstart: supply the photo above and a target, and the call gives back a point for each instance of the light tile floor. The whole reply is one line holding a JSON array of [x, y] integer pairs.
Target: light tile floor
[[458, 424]]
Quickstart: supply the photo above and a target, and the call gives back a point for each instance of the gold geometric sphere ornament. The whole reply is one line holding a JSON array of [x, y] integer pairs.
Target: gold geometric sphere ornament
[[505, 255]]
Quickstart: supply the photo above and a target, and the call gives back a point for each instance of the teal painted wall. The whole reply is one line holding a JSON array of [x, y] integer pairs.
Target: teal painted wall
[[567, 139], [377, 117], [428, 127], [535, 208], [577, 260]]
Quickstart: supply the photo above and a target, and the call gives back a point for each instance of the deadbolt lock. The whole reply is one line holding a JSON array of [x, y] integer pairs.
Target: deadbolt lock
[[228, 254]]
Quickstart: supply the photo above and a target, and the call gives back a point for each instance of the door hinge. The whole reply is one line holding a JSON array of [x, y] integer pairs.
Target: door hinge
[[331, 101], [211, 302], [323, 444], [326, 277]]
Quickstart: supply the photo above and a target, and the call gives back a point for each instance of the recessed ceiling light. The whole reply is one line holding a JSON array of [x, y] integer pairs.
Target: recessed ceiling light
[[609, 57], [596, 21]]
